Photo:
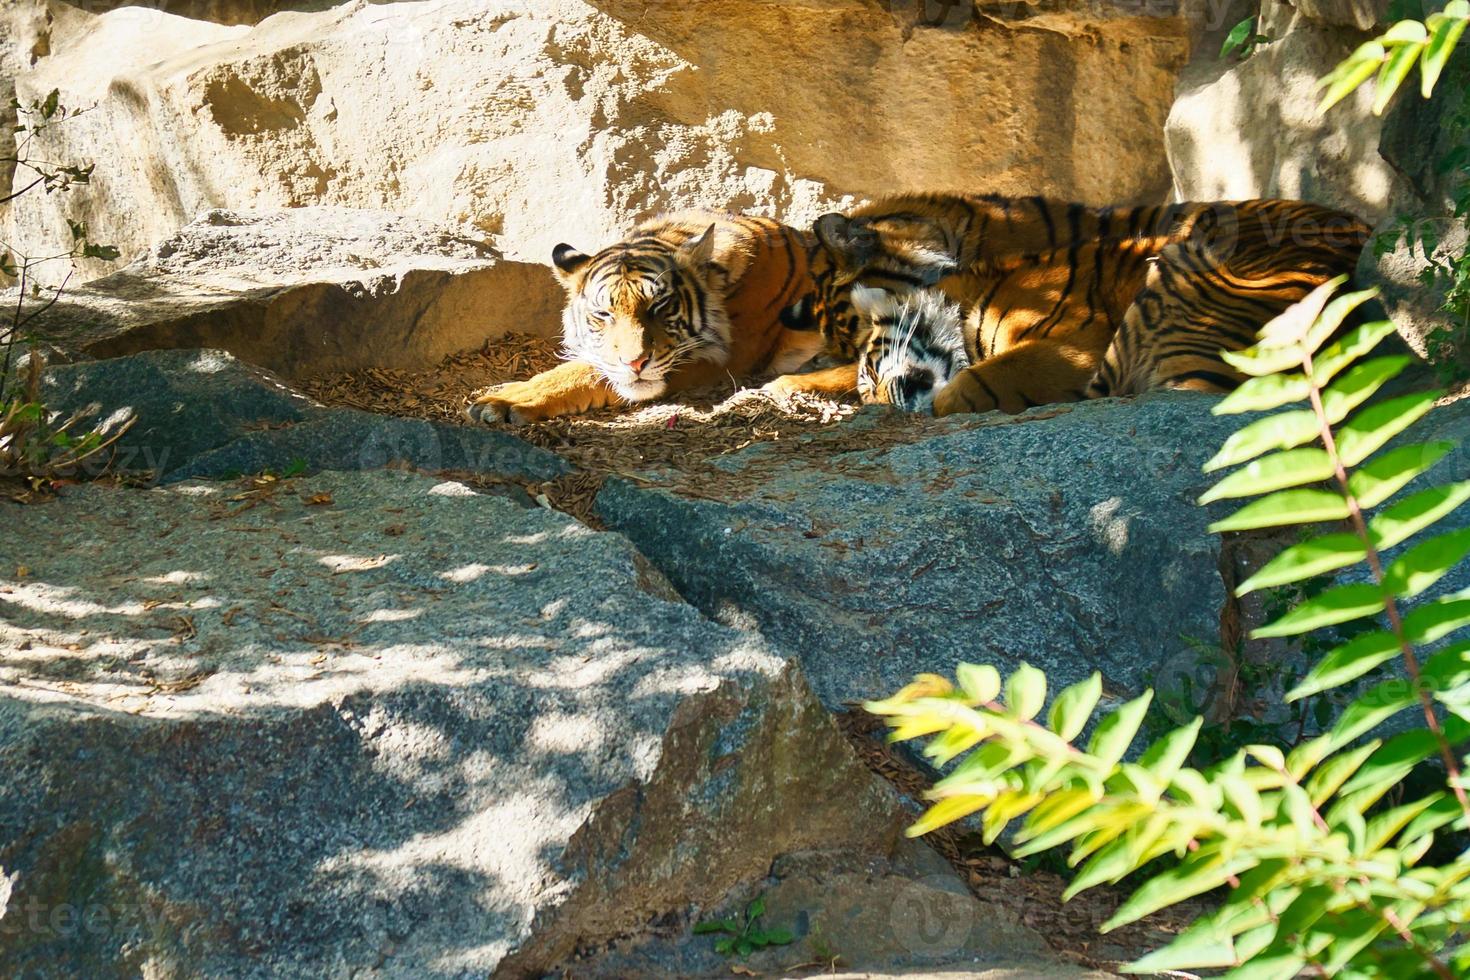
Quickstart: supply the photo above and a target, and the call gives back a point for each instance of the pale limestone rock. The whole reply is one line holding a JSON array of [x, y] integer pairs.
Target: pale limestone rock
[[1251, 129], [305, 291], [562, 120]]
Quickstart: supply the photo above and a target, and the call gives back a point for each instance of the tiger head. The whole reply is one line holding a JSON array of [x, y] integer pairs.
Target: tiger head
[[915, 347], [896, 253], [639, 309]]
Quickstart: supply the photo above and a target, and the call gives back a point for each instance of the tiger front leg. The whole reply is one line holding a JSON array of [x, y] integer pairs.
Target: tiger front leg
[[834, 382], [567, 389], [1032, 373]]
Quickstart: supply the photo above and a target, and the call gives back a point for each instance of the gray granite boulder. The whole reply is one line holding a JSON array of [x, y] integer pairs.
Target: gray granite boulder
[[205, 413], [376, 725], [1068, 537]]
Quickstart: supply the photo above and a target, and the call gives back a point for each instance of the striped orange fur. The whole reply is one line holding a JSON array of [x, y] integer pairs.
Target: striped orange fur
[[1065, 301], [687, 299]]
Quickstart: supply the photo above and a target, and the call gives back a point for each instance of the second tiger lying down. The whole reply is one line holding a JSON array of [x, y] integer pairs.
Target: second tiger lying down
[[1062, 302]]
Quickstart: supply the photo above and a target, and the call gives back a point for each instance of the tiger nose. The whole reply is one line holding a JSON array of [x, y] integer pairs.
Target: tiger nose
[[638, 363]]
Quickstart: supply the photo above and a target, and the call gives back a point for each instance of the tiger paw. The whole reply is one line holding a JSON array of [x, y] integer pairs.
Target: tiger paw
[[499, 405]]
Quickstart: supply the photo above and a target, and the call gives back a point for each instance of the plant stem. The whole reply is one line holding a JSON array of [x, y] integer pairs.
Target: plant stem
[[1390, 604], [10, 334], [1440, 969]]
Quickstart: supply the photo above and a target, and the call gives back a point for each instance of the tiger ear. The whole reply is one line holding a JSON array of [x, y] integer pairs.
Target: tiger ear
[[852, 245], [567, 260], [873, 302], [699, 252]]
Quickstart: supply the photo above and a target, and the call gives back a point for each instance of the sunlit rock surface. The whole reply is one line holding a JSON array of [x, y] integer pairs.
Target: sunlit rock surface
[[542, 121], [1250, 128], [307, 291], [1067, 537], [380, 725]]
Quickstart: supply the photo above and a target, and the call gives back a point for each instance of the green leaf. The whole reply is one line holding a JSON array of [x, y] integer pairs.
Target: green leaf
[[716, 925], [1379, 832], [1285, 507], [1434, 620], [1383, 476], [1449, 668], [1267, 755], [1370, 709], [1258, 361], [756, 908], [1347, 662], [1284, 430], [1191, 950], [1197, 874], [1108, 864], [1444, 809], [1366, 432], [1238, 36], [48, 108], [1292, 327], [1356, 69], [744, 947], [1025, 692], [725, 946], [1165, 757], [1325, 553], [945, 812], [980, 682], [1275, 964], [1331, 317], [1359, 384], [1337, 770], [779, 937], [1353, 345], [1071, 709], [1113, 735], [1400, 62], [1445, 30], [1408, 517], [1290, 468], [1426, 563], [1393, 761], [1305, 757], [1339, 604], [1264, 393]]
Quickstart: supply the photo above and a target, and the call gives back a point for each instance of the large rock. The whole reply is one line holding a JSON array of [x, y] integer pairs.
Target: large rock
[[408, 731], [1417, 136], [207, 414], [1251, 128], [308, 291], [1067, 537], [563, 120]]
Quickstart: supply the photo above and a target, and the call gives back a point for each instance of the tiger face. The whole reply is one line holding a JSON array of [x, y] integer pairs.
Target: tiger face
[[638, 310], [915, 347], [891, 254]]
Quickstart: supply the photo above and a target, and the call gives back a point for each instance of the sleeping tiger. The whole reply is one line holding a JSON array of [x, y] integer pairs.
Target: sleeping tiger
[[686, 300], [1067, 302]]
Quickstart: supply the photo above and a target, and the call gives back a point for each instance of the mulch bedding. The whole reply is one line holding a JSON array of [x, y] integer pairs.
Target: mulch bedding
[[675, 444], [672, 444]]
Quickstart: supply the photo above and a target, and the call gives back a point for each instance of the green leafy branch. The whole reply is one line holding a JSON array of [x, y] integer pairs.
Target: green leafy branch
[[1392, 55], [1323, 875]]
